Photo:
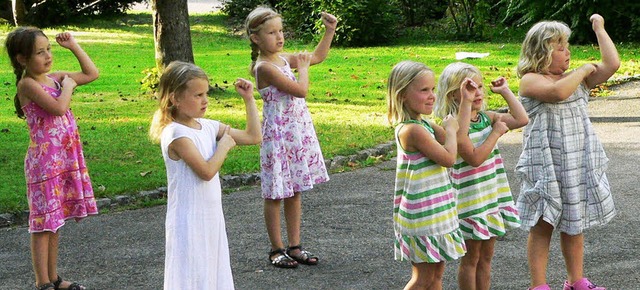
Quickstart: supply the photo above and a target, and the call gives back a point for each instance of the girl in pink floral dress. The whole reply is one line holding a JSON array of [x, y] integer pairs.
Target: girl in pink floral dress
[[290, 155], [58, 184]]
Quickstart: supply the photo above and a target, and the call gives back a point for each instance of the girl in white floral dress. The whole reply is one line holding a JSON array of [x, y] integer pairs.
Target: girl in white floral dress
[[290, 155]]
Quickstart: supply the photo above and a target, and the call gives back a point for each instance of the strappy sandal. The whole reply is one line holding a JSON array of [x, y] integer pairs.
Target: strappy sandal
[[46, 286], [303, 257], [73, 286], [282, 260]]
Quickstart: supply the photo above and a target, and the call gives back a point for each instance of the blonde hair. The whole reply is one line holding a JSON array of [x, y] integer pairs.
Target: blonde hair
[[449, 83], [402, 75], [174, 81], [537, 46], [253, 24]]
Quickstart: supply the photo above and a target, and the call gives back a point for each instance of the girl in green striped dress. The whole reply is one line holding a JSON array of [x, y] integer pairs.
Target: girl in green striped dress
[[486, 209], [425, 218]]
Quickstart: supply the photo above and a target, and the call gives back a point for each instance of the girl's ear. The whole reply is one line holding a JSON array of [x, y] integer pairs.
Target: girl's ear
[[172, 98], [21, 59], [254, 38]]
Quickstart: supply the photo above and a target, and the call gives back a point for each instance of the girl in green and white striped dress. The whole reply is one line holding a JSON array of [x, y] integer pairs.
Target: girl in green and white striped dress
[[486, 209], [425, 218]]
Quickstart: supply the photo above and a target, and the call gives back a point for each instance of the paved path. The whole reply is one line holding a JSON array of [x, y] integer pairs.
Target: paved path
[[347, 221]]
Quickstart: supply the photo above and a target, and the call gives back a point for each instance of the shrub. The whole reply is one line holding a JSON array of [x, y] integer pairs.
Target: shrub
[[361, 23], [620, 17], [151, 80], [238, 10], [52, 12], [415, 12]]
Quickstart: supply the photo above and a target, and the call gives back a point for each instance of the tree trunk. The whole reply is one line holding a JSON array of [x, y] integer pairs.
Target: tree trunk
[[19, 12], [171, 32]]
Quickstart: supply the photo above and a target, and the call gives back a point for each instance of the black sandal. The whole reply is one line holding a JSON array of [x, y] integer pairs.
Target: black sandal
[[304, 257], [73, 286], [46, 286], [282, 260]]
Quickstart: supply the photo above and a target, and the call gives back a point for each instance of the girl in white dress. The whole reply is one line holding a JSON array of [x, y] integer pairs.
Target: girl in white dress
[[194, 148]]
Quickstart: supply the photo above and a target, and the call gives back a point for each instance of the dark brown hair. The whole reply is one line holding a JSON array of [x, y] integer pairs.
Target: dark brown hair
[[21, 41]]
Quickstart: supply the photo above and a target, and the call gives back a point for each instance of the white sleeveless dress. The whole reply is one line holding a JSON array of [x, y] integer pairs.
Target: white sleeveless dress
[[197, 252]]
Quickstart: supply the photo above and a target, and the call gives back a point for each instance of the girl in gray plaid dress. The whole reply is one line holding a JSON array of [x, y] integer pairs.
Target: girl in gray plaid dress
[[562, 165]]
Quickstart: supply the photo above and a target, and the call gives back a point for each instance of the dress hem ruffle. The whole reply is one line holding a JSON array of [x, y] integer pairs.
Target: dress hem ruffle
[[430, 249]]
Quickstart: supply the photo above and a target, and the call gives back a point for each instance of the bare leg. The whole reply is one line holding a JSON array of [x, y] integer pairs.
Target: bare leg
[[293, 218], [52, 264], [468, 265], [272, 221], [40, 256], [483, 272], [424, 276], [538, 252], [573, 251]]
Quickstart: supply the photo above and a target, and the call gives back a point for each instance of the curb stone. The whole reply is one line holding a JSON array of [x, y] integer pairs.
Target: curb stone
[[227, 181]]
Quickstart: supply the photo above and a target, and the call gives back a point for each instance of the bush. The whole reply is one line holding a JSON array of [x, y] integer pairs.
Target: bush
[[415, 12], [238, 10], [620, 17], [53, 12], [361, 23]]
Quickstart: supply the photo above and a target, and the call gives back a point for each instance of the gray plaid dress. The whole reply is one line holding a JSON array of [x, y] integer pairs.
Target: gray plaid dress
[[562, 167]]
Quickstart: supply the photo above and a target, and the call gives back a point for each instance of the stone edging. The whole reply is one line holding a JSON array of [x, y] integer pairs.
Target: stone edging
[[227, 181]]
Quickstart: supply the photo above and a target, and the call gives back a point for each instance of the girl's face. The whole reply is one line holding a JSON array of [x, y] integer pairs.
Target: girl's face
[[192, 102], [478, 98], [40, 61], [270, 38], [419, 96], [560, 57]]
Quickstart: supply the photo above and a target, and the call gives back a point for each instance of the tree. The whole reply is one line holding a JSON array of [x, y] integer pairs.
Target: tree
[[19, 12], [171, 32]]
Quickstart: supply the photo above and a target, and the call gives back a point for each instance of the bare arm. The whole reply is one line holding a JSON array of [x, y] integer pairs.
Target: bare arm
[[270, 75], [89, 71], [475, 156], [517, 116], [550, 89], [322, 49], [608, 52], [252, 134], [30, 89], [414, 137], [439, 132], [183, 148]]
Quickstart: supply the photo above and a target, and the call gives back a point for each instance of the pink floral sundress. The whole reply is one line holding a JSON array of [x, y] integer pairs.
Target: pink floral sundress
[[58, 183], [290, 156]]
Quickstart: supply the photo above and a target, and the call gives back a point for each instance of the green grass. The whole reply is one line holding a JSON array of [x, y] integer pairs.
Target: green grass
[[346, 99]]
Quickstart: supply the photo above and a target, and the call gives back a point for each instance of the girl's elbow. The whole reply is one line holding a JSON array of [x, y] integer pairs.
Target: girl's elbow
[[256, 139], [449, 162], [59, 111], [207, 176], [301, 93]]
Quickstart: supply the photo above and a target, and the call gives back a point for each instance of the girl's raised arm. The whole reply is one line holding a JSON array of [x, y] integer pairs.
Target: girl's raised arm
[[610, 59], [322, 49], [475, 156], [547, 89], [252, 134], [414, 137], [517, 116], [89, 71], [271, 75], [185, 149]]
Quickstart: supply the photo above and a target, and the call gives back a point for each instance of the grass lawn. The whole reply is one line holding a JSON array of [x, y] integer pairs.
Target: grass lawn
[[346, 99]]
